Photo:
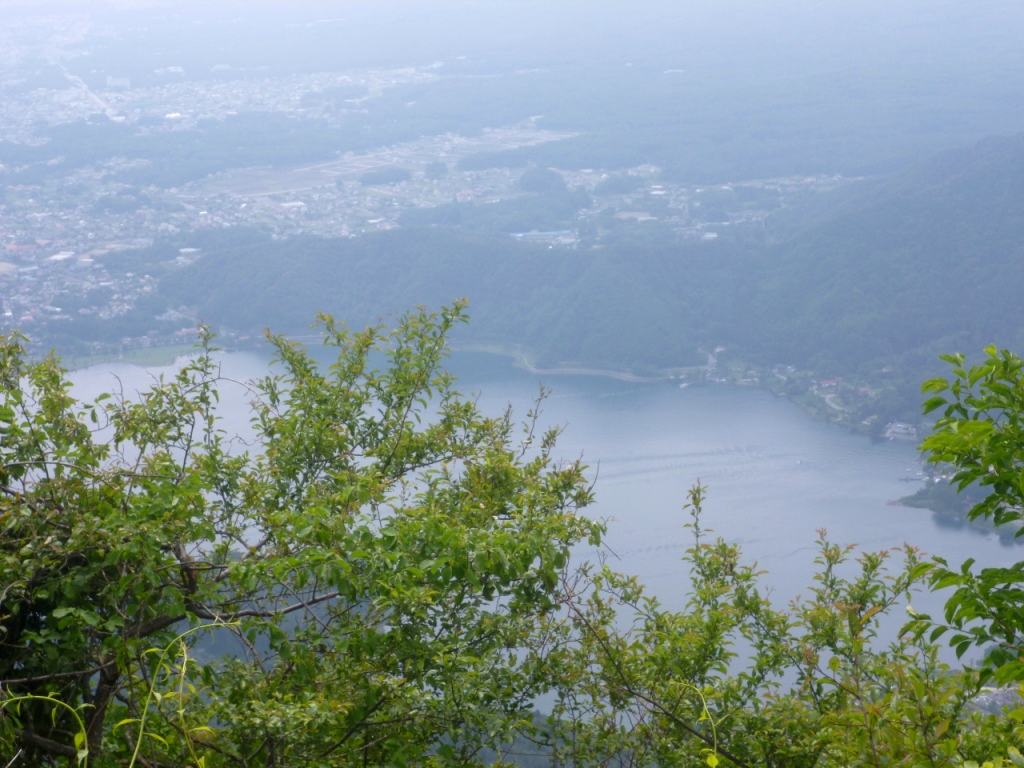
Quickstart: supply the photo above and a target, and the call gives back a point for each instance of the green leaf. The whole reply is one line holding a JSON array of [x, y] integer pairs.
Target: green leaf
[[447, 752]]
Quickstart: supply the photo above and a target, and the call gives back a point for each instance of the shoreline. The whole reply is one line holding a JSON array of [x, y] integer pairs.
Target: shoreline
[[604, 373], [161, 355], [170, 354], [521, 361], [173, 354]]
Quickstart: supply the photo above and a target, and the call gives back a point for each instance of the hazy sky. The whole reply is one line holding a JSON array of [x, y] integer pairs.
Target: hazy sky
[[915, 73]]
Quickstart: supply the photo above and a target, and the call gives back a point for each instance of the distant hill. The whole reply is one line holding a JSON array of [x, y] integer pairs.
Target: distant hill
[[898, 270], [886, 273], [601, 307]]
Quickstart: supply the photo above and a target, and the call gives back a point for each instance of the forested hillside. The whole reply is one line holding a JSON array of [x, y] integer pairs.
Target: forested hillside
[[879, 273], [899, 270], [247, 169], [619, 306]]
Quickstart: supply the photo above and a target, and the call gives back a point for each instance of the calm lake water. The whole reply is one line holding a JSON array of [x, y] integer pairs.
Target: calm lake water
[[774, 476]]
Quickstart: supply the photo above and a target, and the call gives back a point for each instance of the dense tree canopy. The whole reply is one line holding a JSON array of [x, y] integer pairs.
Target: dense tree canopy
[[370, 567], [382, 575], [980, 433]]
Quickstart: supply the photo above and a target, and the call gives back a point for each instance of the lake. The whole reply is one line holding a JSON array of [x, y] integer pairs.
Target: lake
[[774, 475]]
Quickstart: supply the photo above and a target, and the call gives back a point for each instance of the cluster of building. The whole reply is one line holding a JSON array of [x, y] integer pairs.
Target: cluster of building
[[68, 236], [67, 239], [36, 99]]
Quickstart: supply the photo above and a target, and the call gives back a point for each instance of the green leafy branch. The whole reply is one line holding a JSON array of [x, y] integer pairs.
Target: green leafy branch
[[80, 751], [178, 694]]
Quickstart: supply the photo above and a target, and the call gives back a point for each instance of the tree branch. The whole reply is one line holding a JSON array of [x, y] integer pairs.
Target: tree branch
[[32, 739], [629, 689], [56, 675], [211, 615]]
